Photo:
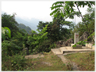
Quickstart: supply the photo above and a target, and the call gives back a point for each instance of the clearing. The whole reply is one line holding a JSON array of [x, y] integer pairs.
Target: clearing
[[50, 62]]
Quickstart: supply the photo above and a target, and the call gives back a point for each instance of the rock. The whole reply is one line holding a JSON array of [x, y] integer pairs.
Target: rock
[[26, 51], [84, 36], [59, 43], [64, 43], [69, 42]]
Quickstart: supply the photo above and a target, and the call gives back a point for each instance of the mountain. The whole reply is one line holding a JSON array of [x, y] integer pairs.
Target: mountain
[[24, 28], [32, 23]]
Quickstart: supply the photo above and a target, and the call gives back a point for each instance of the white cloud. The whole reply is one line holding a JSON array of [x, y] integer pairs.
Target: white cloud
[[29, 9]]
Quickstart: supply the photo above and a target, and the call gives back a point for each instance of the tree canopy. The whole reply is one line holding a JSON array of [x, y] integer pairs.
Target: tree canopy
[[66, 8], [10, 22]]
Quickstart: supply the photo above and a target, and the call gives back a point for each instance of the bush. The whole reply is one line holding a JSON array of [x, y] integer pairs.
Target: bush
[[39, 42], [16, 62], [81, 43], [10, 48], [44, 46], [17, 42], [53, 45], [74, 45]]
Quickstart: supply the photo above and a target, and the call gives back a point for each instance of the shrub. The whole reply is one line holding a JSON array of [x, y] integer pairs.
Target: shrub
[[74, 45], [81, 43], [39, 42], [44, 46], [53, 45], [17, 42], [16, 62], [10, 48]]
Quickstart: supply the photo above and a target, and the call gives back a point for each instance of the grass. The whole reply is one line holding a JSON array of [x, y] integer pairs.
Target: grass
[[85, 61], [49, 62], [55, 63]]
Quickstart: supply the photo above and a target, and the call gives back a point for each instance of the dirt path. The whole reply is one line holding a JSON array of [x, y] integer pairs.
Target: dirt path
[[64, 60], [68, 62]]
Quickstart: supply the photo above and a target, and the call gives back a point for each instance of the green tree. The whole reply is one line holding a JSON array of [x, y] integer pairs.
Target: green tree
[[36, 40], [88, 24], [89, 20], [9, 21], [59, 14], [68, 8], [41, 25]]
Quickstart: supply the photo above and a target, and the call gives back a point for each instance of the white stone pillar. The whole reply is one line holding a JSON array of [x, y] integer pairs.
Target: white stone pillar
[[76, 37]]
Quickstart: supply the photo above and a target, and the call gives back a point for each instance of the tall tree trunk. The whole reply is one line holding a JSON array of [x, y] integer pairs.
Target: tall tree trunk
[[79, 10], [81, 15]]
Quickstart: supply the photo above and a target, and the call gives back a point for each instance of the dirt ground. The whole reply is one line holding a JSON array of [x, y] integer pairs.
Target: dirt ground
[[34, 56]]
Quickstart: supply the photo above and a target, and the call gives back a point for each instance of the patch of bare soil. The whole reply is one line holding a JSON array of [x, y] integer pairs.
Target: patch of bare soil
[[47, 63], [34, 56]]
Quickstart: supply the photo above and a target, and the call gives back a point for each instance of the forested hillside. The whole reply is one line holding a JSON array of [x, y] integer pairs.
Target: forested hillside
[[24, 28]]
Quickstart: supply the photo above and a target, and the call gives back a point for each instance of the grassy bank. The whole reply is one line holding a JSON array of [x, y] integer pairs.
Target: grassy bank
[[85, 61], [49, 62]]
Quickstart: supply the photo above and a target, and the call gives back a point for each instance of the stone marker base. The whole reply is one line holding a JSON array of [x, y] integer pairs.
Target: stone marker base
[[93, 47], [89, 45], [77, 46]]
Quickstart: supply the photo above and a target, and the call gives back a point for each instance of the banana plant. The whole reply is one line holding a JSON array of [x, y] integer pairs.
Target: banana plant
[[6, 33]]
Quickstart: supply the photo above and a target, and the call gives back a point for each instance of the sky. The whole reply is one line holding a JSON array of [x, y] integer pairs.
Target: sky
[[28, 10]]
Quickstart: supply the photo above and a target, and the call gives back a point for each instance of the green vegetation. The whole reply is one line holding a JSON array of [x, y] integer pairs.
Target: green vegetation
[[85, 61], [79, 43], [50, 62], [24, 28], [87, 24], [14, 63], [84, 42], [6, 33], [19, 40], [69, 10]]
